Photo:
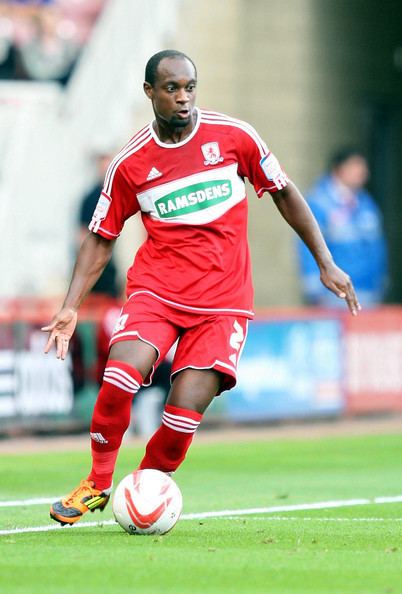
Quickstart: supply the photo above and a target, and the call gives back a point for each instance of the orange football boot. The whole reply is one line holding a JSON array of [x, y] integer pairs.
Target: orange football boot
[[84, 498]]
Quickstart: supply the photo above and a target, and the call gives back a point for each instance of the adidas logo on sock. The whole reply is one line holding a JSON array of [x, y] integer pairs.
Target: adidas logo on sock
[[153, 174], [98, 437]]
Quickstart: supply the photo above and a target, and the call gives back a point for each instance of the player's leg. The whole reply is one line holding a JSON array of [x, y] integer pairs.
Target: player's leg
[[192, 392], [140, 338], [205, 364], [128, 363]]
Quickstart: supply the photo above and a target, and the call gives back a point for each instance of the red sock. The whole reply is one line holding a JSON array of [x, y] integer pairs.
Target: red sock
[[167, 448], [111, 418]]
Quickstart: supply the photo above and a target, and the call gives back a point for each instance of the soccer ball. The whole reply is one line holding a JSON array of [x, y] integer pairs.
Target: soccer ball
[[147, 502]]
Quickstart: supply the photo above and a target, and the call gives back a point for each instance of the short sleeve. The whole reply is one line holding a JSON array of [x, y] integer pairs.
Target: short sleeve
[[117, 202], [258, 163]]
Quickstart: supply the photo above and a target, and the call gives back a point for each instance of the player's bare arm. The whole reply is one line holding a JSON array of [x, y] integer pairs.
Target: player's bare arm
[[297, 213], [94, 254]]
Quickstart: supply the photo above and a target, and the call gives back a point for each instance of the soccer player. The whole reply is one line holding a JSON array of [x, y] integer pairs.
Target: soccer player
[[190, 280]]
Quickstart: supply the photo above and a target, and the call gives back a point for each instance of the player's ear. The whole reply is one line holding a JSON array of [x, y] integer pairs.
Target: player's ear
[[148, 90]]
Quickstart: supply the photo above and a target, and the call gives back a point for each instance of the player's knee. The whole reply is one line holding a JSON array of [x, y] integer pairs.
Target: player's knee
[[194, 389], [136, 353]]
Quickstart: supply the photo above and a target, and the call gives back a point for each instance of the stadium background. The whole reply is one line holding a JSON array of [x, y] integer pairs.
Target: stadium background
[[309, 75], [283, 507]]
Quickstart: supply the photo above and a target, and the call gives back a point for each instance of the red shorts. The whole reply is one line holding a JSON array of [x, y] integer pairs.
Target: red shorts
[[205, 341]]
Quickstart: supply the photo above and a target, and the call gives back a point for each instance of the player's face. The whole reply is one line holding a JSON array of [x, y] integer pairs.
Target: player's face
[[174, 91]]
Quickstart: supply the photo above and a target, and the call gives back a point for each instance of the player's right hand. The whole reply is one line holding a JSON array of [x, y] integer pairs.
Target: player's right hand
[[61, 329], [337, 281]]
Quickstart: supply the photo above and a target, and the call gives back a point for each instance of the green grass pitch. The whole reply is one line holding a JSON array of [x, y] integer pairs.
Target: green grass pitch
[[355, 549]]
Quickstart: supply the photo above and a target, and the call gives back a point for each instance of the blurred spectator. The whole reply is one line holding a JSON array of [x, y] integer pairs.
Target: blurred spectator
[[51, 52], [351, 223], [108, 283], [42, 39], [8, 49]]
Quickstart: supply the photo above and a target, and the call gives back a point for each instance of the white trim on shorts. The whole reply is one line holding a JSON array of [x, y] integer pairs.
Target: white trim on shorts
[[138, 335], [216, 362]]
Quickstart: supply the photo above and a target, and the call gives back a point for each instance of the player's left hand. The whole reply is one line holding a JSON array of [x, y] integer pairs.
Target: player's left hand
[[337, 281], [61, 329]]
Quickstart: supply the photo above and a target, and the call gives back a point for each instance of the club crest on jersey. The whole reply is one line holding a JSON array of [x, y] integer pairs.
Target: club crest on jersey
[[212, 153]]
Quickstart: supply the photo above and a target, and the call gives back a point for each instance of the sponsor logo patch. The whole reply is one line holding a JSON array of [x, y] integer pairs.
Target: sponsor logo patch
[[192, 198], [273, 171], [102, 207]]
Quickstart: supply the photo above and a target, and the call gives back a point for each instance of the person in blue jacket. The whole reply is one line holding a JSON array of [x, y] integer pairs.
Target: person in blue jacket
[[351, 223]]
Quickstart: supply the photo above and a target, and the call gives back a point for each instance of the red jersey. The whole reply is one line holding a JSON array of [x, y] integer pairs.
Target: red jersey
[[194, 207]]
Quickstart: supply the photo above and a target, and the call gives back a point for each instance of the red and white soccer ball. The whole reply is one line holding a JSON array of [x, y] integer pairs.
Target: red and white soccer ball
[[147, 502]]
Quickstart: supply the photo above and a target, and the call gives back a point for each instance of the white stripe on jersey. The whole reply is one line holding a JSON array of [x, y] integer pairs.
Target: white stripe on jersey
[[142, 138], [132, 147], [262, 147], [222, 116], [125, 148], [213, 117]]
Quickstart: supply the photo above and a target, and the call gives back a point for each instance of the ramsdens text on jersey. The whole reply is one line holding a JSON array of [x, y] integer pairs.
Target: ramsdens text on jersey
[[195, 197]]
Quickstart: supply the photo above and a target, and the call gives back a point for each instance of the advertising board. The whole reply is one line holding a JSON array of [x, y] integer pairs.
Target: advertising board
[[289, 368]]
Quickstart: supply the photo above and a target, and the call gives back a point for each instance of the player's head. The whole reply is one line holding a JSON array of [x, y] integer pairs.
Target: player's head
[[170, 83], [350, 165]]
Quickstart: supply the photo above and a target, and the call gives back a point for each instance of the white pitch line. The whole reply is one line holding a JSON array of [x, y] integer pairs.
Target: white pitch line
[[50, 527], [308, 519], [393, 499], [263, 510], [234, 513], [277, 508], [36, 501]]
